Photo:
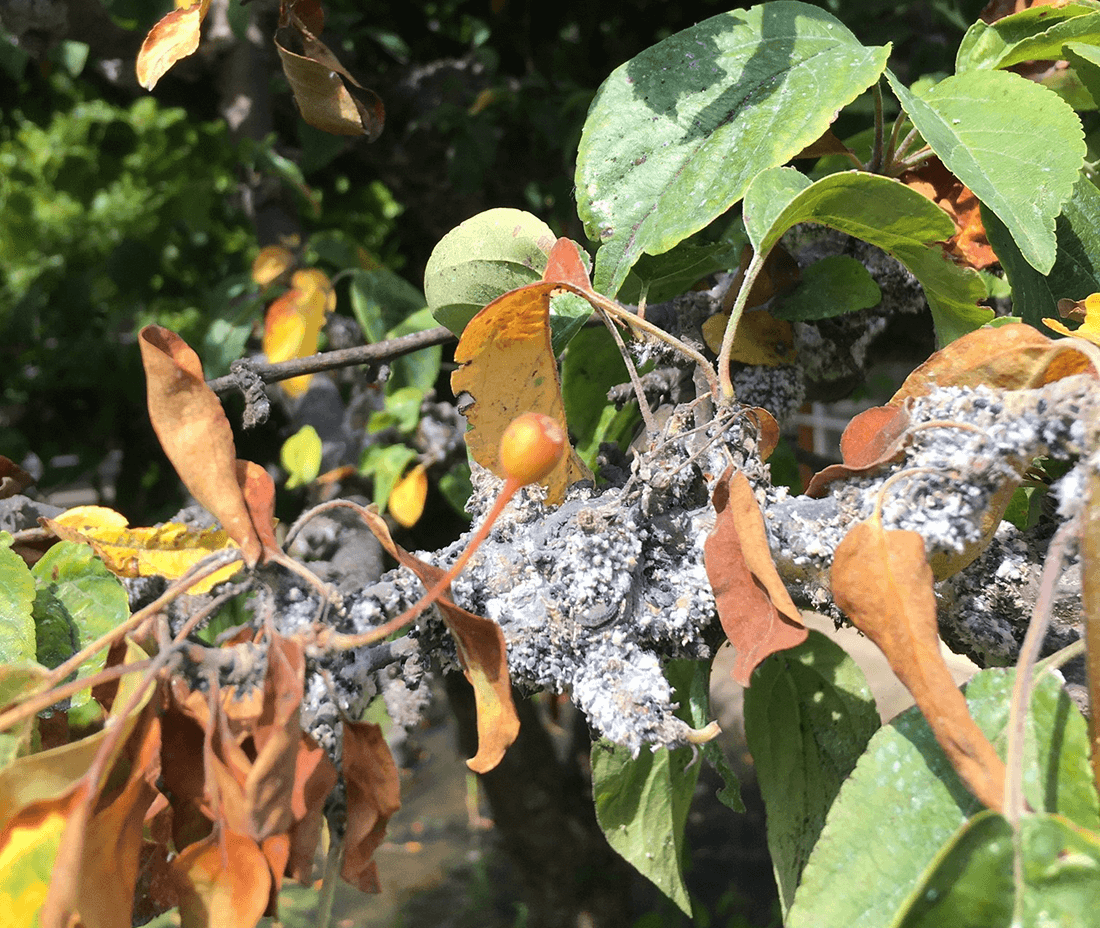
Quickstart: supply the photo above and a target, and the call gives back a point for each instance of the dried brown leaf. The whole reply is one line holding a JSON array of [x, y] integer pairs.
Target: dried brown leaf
[[1008, 357], [755, 609], [258, 490], [374, 795], [882, 581], [767, 431], [269, 784], [194, 432], [317, 81], [13, 479], [874, 438]]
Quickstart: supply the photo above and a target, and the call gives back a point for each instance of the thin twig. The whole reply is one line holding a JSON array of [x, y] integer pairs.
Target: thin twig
[[651, 426], [376, 353], [756, 265]]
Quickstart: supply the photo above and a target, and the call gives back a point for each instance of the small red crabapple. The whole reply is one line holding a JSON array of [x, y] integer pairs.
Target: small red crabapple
[[531, 447]]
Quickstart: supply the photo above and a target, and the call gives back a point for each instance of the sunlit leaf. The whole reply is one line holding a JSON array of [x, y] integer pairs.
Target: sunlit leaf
[[271, 263], [17, 642], [1086, 311], [1018, 146], [882, 580], [292, 326], [223, 880], [195, 433], [168, 550], [406, 503], [301, 456], [176, 36], [675, 135]]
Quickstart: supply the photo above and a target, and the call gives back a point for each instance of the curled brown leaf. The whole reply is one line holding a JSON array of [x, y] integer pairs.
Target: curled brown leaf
[[755, 609]]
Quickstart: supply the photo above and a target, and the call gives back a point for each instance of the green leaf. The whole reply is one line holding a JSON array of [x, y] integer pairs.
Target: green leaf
[[674, 272], [1037, 33], [675, 135], [642, 802], [301, 456], [830, 287], [381, 300], [385, 464], [456, 487], [1015, 144], [18, 680], [420, 369], [77, 601], [693, 679], [401, 412], [1076, 272], [17, 641], [592, 365], [971, 884], [1086, 63], [808, 717], [487, 255], [903, 803], [885, 213], [568, 314]]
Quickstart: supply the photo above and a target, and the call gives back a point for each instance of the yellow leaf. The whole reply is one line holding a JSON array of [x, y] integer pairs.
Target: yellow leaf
[[301, 456], [293, 324], [176, 36], [272, 262], [1086, 311], [28, 847], [761, 338], [406, 502], [169, 550], [509, 368]]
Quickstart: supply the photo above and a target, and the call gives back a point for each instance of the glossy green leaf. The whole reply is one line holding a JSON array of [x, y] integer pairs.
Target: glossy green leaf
[[923, 804], [1076, 272], [1033, 34], [808, 717], [18, 680], [1014, 143], [17, 641], [675, 135], [77, 601], [830, 287], [885, 213], [301, 456], [487, 255]]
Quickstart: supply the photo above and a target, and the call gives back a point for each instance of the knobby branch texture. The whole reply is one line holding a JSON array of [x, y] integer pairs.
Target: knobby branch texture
[[593, 596]]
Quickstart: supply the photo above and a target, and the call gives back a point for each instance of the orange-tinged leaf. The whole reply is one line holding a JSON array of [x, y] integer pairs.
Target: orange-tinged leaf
[[195, 434], [767, 431], [176, 36], [1008, 357], [482, 651], [50, 774], [258, 490], [756, 611], [168, 550], [509, 369], [271, 263], [882, 581], [970, 243], [564, 265], [874, 438], [374, 795], [407, 498], [223, 882], [1086, 311], [96, 873], [29, 845], [761, 338], [270, 783], [292, 326]]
